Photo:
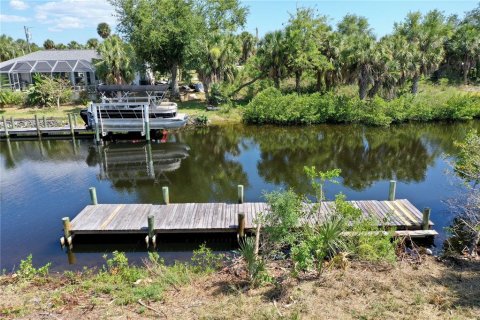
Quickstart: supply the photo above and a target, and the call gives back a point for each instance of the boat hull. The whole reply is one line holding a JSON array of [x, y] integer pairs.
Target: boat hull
[[127, 125]]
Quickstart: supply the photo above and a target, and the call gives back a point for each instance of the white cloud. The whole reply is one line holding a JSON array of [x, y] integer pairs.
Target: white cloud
[[12, 18], [74, 14], [18, 5]]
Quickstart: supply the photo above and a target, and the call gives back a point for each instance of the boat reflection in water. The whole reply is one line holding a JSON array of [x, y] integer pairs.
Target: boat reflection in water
[[130, 164]]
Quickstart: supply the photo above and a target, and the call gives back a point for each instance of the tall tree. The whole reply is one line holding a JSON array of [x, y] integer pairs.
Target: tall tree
[[116, 65], [358, 52], [161, 31], [249, 45], [103, 30], [303, 47], [49, 44], [427, 34], [272, 53]]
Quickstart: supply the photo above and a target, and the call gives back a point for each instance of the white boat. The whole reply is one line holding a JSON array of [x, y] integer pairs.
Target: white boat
[[126, 113]]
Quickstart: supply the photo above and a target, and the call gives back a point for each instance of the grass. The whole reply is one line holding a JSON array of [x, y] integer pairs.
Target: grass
[[430, 290]]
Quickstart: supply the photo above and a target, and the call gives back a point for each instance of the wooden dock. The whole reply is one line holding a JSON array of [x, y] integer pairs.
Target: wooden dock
[[223, 218], [46, 132]]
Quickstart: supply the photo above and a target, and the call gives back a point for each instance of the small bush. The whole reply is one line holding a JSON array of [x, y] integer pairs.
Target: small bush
[[205, 260], [201, 120], [27, 271], [13, 98]]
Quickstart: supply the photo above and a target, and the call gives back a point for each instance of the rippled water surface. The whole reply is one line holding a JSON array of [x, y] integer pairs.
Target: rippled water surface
[[43, 181]]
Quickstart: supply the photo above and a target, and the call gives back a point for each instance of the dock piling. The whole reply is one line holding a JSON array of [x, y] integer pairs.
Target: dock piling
[[240, 193], [75, 120], [66, 228], [147, 123], [426, 218], [241, 225], [166, 195], [5, 127], [70, 122], [37, 124], [44, 121], [93, 195], [12, 122], [392, 190]]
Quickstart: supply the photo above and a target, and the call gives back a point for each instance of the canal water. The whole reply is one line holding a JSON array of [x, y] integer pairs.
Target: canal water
[[43, 181]]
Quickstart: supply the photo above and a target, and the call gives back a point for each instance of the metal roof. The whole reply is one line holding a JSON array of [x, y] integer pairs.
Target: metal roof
[[51, 61]]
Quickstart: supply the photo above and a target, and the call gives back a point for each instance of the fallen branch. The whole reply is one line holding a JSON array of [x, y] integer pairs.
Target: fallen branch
[[159, 312]]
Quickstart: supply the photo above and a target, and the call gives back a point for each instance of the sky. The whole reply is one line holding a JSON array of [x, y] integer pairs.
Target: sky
[[66, 20]]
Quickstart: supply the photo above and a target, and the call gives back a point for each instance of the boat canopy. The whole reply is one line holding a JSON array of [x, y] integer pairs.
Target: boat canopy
[[133, 88]]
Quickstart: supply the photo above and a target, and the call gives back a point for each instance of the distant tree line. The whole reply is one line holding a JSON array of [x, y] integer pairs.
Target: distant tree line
[[171, 36]]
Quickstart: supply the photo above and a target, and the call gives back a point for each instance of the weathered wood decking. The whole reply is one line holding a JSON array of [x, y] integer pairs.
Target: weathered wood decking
[[222, 217]]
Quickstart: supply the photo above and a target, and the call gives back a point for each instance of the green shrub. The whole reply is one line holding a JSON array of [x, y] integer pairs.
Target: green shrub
[[27, 271], [14, 98], [271, 106], [205, 260]]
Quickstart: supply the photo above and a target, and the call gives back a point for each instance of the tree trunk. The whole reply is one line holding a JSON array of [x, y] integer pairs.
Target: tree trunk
[[175, 89], [466, 68], [319, 81], [244, 85], [363, 83], [415, 80], [298, 77], [276, 81], [374, 90]]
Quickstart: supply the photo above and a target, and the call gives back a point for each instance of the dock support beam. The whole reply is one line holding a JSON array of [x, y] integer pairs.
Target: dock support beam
[[97, 127], [147, 123], [93, 195], [5, 127], [241, 225], [392, 190], [166, 195], [44, 121], [240, 193], [426, 218], [70, 122], [12, 122], [37, 123]]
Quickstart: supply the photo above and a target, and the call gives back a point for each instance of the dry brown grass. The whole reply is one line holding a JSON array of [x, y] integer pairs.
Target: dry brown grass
[[432, 290]]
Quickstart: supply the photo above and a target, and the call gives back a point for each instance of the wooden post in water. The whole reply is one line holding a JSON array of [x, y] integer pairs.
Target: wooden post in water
[[426, 218], [241, 225], [72, 131], [44, 121], [12, 122], [37, 123], [392, 190], [66, 230], [240, 193], [147, 123], [93, 195], [97, 127], [166, 195], [5, 127]]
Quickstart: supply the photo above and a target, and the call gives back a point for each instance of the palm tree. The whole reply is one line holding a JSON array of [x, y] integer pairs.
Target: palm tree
[[49, 44], [92, 43], [272, 54], [8, 49], [465, 47], [74, 45], [60, 46], [103, 30], [427, 35], [116, 65], [249, 46]]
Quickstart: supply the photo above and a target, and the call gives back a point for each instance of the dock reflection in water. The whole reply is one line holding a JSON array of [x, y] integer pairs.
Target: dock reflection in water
[[131, 164]]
